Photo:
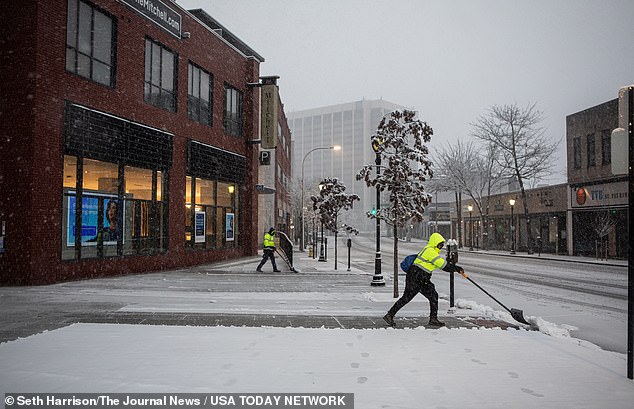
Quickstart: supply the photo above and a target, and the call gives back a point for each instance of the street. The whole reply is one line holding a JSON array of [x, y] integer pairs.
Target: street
[[590, 296]]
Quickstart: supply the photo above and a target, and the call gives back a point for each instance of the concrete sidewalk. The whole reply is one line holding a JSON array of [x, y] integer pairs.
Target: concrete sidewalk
[[315, 296]]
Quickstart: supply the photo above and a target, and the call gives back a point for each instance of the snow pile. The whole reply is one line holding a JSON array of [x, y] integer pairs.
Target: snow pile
[[483, 310], [536, 323]]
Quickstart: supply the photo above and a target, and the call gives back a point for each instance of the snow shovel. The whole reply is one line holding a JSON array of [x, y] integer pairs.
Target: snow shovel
[[518, 315]]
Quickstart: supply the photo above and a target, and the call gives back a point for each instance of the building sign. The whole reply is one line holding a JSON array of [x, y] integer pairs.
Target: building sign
[[268, 116], [265, 158], [609, 194], [159, 13]]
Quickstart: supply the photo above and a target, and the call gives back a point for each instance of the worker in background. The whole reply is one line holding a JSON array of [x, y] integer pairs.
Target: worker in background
[[269, 250]]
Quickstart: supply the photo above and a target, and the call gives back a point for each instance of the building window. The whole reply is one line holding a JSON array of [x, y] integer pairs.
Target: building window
[[112, 210], [606, 147], [233, 111], [210, 213], [90, 42], [576, 148], [591, 151], [160, 76], [199, 95]]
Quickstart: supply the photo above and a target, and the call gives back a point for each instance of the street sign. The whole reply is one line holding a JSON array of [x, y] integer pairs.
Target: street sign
[[261, 189]]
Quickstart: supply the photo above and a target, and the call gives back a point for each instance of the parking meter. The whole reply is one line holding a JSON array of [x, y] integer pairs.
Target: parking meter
[[452, 258], [452, 251]]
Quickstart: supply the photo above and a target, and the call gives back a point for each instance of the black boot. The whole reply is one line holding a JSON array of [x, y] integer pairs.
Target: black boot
[[390, 320], [433, 321]]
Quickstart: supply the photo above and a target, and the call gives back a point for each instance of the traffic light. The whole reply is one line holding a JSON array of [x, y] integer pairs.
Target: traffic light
[[373, 212], [376, 144]]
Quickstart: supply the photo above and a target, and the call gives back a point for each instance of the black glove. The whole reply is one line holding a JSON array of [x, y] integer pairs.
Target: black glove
[[453, 268], [460, 271]]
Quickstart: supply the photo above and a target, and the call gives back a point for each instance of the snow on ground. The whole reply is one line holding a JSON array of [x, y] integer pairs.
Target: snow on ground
[[404, 368]]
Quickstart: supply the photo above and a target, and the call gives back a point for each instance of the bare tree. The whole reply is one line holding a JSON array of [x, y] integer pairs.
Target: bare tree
[[400, 140], [522, 149], [472, 170], [604, 224], [331, 201]]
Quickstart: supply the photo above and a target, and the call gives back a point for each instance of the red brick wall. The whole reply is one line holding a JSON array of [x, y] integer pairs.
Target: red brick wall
[[17, 91], [31, 179]]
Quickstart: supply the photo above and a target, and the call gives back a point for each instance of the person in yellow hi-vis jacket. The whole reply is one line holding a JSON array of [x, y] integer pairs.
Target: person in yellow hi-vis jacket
[[418, 279], [269, 250]]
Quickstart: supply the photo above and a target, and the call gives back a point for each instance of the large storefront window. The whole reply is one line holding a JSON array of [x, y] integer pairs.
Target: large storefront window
[[115, 220], [210, 215], [114, 185]]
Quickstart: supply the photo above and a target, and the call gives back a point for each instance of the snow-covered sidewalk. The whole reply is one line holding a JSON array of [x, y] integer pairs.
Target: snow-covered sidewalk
[[415, 368], [541, 367]]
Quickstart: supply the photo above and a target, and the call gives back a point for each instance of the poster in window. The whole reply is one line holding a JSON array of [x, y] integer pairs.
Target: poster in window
[[229, 232], [200, 227], [90, 235]]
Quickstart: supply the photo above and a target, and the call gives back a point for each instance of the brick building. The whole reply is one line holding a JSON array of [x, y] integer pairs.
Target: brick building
[[598, 199], [503, 227], [125, 139]]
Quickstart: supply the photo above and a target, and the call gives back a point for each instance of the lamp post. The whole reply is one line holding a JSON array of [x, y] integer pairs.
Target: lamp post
[[377, 279], [512, 203], [335, 148], [322, 250], [470, 209]]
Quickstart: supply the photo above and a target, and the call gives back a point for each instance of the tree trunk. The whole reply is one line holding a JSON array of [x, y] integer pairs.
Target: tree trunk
[[335, 250], [529, 230]]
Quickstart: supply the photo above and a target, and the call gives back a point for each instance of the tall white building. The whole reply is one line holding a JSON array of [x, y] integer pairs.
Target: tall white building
[[349, 125]]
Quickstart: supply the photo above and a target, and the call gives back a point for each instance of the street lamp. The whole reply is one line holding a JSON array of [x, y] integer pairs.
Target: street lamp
[[377, 279], [470, 209], [512, 203], [335, 148], [322, 249]]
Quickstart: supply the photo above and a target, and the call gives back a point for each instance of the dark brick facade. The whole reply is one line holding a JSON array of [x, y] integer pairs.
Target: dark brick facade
[[36, 88], [590, 123]]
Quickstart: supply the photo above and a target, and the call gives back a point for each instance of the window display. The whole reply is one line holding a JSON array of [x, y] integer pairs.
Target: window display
[[121, 211]]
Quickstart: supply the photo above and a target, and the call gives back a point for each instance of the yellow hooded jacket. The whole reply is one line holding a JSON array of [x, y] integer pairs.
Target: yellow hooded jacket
[[269, 240], [429, 257]]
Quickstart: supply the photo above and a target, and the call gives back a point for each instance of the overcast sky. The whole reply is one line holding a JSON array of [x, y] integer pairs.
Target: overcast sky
[[449, 60]]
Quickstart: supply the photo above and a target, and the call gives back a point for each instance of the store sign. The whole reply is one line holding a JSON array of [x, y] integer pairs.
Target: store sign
[[159, 13], [609, 194], [268, 117]]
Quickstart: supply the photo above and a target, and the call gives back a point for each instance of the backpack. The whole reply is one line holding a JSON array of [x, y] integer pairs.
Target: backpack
[[408, 261]]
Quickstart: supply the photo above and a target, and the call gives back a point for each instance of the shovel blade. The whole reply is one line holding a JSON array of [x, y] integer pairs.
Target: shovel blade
[[518, 315]]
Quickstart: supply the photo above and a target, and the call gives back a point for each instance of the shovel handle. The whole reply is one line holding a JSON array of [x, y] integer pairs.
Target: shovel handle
[[487, 293]]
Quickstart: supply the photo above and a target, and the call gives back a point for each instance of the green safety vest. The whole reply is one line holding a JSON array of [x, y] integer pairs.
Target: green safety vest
[[429, 257]]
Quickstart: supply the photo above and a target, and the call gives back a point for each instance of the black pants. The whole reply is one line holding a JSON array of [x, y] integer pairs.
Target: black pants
[[268, 254], [417, 281]]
